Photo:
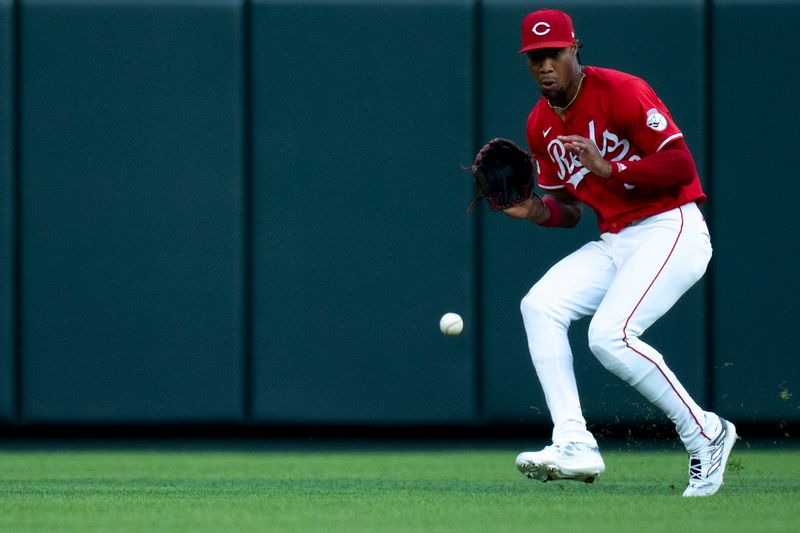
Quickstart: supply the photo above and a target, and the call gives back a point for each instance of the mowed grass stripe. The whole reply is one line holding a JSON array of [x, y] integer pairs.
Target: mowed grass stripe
[[460, 490]]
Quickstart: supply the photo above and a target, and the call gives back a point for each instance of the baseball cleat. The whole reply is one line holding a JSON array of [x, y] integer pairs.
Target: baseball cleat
[[576, 461], [707, 465]]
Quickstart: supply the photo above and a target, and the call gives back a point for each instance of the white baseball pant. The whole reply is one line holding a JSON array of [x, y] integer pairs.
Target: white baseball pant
[[627, 280]]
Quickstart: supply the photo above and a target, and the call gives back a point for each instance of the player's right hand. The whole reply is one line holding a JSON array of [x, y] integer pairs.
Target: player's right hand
[[531, 209]]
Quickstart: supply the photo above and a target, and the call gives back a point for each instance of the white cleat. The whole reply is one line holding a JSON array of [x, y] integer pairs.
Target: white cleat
[[575, 460], [707, 465]]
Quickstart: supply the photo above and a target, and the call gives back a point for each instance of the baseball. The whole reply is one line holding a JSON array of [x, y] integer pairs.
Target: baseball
[[451, 324]]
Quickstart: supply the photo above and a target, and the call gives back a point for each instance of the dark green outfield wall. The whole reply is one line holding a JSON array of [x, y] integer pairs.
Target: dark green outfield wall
[[8, 385], [253, 212], [361, 114], [755, 289], [131, 211]]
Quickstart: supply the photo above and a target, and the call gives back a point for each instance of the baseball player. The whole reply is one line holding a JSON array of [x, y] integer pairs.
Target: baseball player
[[603, 138]]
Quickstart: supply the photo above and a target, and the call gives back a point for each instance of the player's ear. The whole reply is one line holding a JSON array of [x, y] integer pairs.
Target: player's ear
[[577, 47]]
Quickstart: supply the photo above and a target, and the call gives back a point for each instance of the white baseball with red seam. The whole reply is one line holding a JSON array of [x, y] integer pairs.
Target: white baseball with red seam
[[451, 324]]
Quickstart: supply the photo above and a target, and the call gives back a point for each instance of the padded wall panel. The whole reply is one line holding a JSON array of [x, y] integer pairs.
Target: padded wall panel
[[625, 36], [363, 114], [756, 373], [7, 210], [132, 211]]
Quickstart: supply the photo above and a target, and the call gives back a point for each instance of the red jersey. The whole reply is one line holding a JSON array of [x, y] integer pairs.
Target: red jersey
[[627, 121]]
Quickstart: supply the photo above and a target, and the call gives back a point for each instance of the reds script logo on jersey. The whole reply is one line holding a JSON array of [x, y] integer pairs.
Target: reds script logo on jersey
[[611, 146]]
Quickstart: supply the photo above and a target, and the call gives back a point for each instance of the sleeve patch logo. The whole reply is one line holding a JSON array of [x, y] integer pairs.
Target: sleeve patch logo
[[655, 120]]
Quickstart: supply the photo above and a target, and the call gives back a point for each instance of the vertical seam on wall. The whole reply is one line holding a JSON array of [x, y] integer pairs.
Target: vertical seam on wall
[[15, 204], [477, 301], [709, 173], [247, 208]]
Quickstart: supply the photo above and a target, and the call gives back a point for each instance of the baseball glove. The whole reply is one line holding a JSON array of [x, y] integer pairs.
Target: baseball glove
[[503, 175]]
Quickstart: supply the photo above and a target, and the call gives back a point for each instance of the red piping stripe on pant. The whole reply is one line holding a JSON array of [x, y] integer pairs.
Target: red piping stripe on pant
[[625, 328]]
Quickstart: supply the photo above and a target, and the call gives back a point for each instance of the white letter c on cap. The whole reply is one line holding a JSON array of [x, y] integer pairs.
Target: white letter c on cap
[[543, 32]]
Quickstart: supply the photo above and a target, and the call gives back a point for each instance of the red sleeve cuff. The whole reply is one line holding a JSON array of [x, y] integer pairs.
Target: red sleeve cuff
[[616, 168], [670, 167]]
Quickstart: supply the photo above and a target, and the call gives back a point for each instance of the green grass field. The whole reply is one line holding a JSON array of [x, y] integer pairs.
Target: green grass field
[[382, 490]]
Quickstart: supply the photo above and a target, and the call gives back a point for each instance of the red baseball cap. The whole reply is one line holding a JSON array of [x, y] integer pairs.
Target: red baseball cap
[[547, 28]]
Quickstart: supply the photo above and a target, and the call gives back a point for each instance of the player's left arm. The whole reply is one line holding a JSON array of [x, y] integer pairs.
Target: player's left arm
[[644, 118], [671, 166]]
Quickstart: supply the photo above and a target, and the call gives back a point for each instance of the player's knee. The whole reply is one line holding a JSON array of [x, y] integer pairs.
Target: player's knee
[[530, 305], [614, 349], [601, 336], [535, 308], [605, 342]]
